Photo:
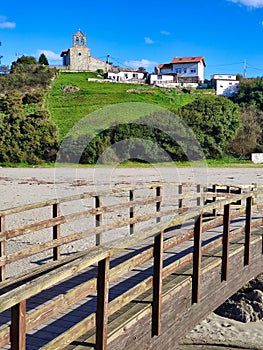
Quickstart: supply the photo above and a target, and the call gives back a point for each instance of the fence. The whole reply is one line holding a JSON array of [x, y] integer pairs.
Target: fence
[[151, 216]]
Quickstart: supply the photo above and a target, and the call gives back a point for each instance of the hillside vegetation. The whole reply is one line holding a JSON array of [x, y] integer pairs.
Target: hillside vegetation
[[67, 108], [43, 111]]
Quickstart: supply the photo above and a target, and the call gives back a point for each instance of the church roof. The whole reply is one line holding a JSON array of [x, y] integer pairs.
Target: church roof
[[64, 53]]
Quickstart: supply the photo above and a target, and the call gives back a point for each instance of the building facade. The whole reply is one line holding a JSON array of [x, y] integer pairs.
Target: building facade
[[184, 69], [78, 58], [225, 84]]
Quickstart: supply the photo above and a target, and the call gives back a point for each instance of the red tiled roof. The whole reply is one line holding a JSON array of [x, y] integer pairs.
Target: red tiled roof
[[164, 65], [194, 59]]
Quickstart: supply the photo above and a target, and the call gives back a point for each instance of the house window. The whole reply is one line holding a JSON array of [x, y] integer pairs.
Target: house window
[[159, 77], [79, 53], [135, 75], [193, 70], [125, 76], [230, 83], [178, 70], [185, 70]]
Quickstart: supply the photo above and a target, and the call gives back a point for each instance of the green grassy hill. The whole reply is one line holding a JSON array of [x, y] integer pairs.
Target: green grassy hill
[[68, 108]]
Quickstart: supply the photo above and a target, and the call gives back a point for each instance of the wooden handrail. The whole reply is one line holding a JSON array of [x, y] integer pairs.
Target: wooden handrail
[[15, 297]]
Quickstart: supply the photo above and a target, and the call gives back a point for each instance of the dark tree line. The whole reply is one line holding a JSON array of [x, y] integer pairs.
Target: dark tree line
[[204, 127]]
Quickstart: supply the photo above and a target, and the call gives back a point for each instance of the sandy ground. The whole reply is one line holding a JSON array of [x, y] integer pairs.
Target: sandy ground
[[28, 185]]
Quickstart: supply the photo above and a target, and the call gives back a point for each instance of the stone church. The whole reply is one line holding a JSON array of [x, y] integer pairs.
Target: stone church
[[78, 58]]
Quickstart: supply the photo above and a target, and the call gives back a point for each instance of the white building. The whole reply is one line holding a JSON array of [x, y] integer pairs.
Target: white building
[[125, 75], [225, 84], [161, 79], [184, 69]]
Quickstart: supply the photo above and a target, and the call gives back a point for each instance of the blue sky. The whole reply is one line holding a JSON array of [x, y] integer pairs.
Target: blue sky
[[139, 33]]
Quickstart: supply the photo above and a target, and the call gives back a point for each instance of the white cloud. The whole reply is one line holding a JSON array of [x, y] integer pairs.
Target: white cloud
[[142, 63], [165, 32], [148, 40], [50, 55], [249, 3], [6, 24]]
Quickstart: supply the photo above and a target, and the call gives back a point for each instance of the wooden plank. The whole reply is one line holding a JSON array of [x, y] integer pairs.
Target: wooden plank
[[52, 307], [27, 290], [2, 247], [72, 334], [40, 225], [56, 231], [248, 230], [197, 254], [157, 284], [18, 326], [226, 236], [102, 304]]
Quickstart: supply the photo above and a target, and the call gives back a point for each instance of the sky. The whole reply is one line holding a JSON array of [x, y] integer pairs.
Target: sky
[[228, 33]]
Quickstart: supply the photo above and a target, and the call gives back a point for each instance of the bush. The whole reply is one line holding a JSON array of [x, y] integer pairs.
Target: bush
[[33, 97]]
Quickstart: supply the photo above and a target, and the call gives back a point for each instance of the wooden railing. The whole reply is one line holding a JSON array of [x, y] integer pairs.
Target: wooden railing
[[16, 290]]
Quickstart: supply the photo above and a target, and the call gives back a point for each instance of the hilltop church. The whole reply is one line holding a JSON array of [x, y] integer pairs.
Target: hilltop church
[[78, 58]]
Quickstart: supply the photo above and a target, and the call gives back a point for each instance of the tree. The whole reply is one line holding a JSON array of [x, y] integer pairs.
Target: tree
[[22, 61], [249, 135], [142, 69], [43, 60], [214, 121], [250, 93]]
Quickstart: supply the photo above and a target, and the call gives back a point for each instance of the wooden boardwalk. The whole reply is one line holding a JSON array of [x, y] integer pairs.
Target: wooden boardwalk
[[163, 268]]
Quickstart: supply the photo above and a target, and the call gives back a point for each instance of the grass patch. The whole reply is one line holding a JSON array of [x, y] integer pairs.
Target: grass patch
[[67, 109]]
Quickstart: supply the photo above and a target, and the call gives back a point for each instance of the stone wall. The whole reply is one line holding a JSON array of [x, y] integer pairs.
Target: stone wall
[[79, 58]]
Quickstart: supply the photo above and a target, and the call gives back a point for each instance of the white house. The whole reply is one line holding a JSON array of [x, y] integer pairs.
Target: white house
[[160, 79], [184, 69], [125, 75], [225, 84]]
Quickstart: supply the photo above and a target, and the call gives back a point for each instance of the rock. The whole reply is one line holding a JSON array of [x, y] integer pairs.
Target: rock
[[246, 305], [69, 88]]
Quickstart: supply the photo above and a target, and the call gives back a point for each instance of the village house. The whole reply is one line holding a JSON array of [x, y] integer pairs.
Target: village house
[[184, 70], [78, 58], [225, 84], [119, 74]]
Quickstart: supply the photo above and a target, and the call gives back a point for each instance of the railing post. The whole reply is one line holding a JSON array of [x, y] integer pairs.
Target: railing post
[[98, 219], [214, 199], [159, 203], [102, 304], [18, 326], [2, 247], [132, 211], [198, 199], [226, 232], [254, 200], [157, 275], [56, 230], [197, 255], [180, 192], [248, 230]]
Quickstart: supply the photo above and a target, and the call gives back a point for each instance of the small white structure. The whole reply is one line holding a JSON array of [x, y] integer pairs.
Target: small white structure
[[257, 158], [225, 84], [125, 75], [161, 79], [184, 69]]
